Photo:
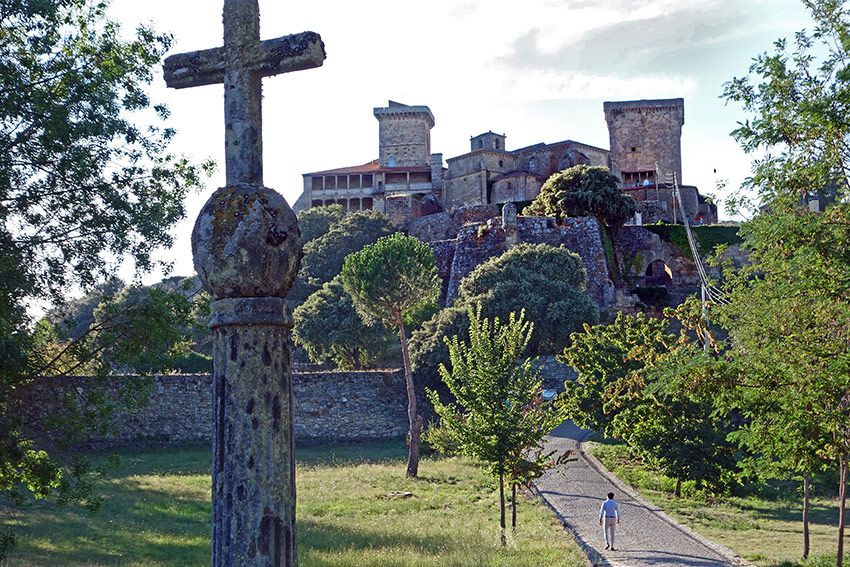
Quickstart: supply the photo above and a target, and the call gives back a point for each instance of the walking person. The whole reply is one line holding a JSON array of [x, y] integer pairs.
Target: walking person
[[609, 518]]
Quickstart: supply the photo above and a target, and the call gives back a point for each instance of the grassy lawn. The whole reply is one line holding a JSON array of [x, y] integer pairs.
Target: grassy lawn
[[765, 531], [157, 508]]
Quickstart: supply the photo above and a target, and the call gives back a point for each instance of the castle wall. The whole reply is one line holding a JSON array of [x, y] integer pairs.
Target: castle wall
[[329, 406], [465, 190], [547, 159], [515, 188], [446, 225], [444, 255], [637, 247], [402, 209], [478, 243]]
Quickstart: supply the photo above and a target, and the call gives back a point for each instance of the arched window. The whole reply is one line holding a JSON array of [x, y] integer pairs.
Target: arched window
[[497, 143], [392, 161], [480, 143]]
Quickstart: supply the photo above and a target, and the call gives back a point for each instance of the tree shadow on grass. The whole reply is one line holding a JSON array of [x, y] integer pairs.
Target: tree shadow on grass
[[339, 455], [144, 529], [791, 511], [333, 537]]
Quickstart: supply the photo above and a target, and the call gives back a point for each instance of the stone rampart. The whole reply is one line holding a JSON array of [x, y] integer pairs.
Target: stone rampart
[[478, 243], [445, 225], [329, 406]]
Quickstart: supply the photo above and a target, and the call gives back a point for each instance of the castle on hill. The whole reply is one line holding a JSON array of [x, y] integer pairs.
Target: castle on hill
[[408, 181]]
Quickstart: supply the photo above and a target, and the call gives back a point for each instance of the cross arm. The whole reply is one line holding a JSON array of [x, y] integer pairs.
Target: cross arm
[[270, 57]]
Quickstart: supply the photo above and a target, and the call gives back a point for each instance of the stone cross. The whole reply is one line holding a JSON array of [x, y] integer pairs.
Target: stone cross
[[247, 250], [240, 65]]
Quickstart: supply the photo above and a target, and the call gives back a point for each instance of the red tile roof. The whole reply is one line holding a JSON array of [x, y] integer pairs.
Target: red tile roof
[[373, 166], [370, 167]]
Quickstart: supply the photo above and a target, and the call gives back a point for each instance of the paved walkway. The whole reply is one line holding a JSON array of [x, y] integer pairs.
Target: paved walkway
[[646, 536]]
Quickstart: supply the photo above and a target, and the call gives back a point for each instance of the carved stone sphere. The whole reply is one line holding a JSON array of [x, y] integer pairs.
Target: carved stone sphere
[[246, 243]]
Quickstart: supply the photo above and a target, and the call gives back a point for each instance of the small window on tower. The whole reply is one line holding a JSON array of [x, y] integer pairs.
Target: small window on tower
[[497, 144], [634, 149], [501, 163], [392, 161], [480, 143]]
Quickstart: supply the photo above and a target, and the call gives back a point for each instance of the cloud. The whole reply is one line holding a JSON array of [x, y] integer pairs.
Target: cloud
[[463, 10], [639, 36], [619, 5], [538, 85]]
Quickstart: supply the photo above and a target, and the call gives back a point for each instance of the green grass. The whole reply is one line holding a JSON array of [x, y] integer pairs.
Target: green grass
[[156, 511], [765, 531]]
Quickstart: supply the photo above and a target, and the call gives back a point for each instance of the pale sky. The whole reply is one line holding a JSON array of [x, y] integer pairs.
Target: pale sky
[[537, 70]]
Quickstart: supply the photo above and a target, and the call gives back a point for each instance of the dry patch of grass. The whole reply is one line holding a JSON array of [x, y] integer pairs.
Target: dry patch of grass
[[354, 508]]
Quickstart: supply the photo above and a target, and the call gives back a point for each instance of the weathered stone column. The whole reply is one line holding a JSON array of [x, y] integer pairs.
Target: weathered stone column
[[247, 250]]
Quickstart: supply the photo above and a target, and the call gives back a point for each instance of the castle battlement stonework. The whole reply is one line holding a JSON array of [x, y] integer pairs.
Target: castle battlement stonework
[[408, 181]]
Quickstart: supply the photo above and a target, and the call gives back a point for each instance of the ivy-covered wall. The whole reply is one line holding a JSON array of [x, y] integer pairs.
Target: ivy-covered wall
[[708, 237]]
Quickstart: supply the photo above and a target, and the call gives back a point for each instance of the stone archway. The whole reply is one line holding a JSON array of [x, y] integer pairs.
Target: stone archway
[[658, 274]]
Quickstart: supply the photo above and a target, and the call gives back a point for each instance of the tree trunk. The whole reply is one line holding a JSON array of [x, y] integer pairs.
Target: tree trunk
[[413, 419], [513, 506], [502, 507], [842, 503], [805, 516], [677, 492]]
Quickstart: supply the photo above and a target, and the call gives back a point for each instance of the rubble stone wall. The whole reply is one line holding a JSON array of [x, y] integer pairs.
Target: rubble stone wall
[[329, 406], [478, 243]]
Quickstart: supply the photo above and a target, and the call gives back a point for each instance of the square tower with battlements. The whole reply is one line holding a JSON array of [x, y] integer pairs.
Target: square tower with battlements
[[404, 135], [646, 136]]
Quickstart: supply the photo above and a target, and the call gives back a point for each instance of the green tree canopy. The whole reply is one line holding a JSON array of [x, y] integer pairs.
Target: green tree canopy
[[158, 328], [144, 329], [80, 181], [317, 221], [324, 255], [330, 329], [499, 416], [788, 312], [83, 183], [545, 281], [788, 317], [635, 383], [387, 279], [428, 348], [584, 190], [798, 97]]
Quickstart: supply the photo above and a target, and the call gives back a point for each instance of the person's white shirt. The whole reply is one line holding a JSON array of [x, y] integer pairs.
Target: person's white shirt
[[609, 509]]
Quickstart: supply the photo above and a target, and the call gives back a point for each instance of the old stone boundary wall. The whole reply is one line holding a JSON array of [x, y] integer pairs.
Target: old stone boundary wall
[[329, 406]]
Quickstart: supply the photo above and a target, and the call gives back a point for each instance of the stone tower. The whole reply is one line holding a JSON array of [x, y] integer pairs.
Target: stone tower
[[487, 141], [643, 133], [404, 135]]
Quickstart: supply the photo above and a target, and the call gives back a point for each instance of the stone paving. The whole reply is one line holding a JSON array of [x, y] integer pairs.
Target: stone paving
[[646, 536]]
